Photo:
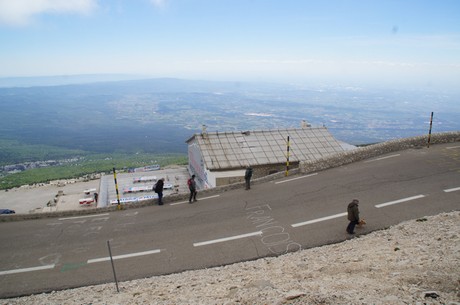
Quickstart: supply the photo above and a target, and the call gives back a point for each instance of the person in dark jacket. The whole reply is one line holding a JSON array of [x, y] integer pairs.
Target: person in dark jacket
[[353, 215], [159, 190], [247, 177], [192, 187]]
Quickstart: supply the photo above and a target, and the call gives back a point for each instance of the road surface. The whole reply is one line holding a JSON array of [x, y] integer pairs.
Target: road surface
[[272, 218]]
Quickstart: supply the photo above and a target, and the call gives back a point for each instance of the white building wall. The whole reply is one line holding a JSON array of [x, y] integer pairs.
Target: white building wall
[[213, 176], [204, 177], [196, 166], [229, 173]]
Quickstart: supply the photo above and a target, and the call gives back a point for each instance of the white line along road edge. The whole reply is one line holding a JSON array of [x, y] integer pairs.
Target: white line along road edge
[[87, 216], [382, 158], [296, 178], [199, 199]]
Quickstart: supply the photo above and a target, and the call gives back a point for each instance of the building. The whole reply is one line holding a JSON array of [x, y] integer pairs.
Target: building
[[220, 158]]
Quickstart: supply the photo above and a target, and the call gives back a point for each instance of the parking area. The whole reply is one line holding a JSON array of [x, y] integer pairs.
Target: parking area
[[67, 195], [137, 186]]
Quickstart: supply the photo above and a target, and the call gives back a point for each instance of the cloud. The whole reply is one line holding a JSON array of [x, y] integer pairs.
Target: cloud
[[158, 3], [21, 12]]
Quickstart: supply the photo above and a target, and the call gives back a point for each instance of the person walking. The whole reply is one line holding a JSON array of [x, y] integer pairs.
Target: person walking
[[353, 215], [159, 190], [247, 177], [192, 187]]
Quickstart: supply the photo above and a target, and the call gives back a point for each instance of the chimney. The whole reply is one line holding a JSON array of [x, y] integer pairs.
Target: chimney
[[304, 124], [203, 131]]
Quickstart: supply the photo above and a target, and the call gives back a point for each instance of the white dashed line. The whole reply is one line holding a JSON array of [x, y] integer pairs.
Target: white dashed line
[[398, 201], [103, 259], [27, 269], [296, 178], [215, 241], [318, 220], [452, 190], [452, 147]]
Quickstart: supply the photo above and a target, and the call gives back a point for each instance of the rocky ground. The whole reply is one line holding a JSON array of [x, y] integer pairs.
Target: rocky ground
[[415, 262]]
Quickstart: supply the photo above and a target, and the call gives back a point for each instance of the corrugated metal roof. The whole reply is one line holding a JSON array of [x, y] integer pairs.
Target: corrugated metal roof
[[238, 149]]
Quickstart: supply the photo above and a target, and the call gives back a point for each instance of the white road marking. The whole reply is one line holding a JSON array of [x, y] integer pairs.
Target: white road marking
[[103, 259], [204, 198], [27, 269], [296, 178], [452, 147], [382, 158], [130, 214], [398, 201], [452, 190], [54, 224], [86, 216], [318, 220], [220, 240]]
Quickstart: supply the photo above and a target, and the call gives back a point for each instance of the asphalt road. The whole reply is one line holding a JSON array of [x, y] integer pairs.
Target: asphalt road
[[272, 218]]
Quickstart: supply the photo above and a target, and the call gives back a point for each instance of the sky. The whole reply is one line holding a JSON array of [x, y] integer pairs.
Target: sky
[[413, 43]]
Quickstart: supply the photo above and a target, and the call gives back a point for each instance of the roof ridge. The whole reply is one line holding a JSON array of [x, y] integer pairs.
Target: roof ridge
[[261, 130]]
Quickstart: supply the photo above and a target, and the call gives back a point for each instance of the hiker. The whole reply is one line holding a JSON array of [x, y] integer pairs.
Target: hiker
[[353, 216], [247, 177], [192, 187], [159, 190]]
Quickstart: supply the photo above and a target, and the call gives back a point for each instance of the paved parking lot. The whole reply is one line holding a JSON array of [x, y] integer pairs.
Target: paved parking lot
[[65, 195], [130, 191]]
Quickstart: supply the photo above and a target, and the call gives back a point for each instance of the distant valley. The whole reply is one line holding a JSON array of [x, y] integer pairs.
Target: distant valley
[[159, 115]]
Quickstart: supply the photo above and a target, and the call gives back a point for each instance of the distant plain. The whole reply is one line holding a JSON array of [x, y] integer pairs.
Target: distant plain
[[157, 116]]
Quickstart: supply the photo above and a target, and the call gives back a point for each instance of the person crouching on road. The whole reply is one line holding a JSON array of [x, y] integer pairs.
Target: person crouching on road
[[159, 190], [353, 216], [192, 187]]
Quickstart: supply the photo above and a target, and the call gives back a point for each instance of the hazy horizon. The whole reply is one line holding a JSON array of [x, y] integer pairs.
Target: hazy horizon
[[80, 79]]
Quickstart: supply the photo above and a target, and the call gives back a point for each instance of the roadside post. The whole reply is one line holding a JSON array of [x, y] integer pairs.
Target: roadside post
[[287, 158], [116, 189], [113, 266], [429, 134]]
